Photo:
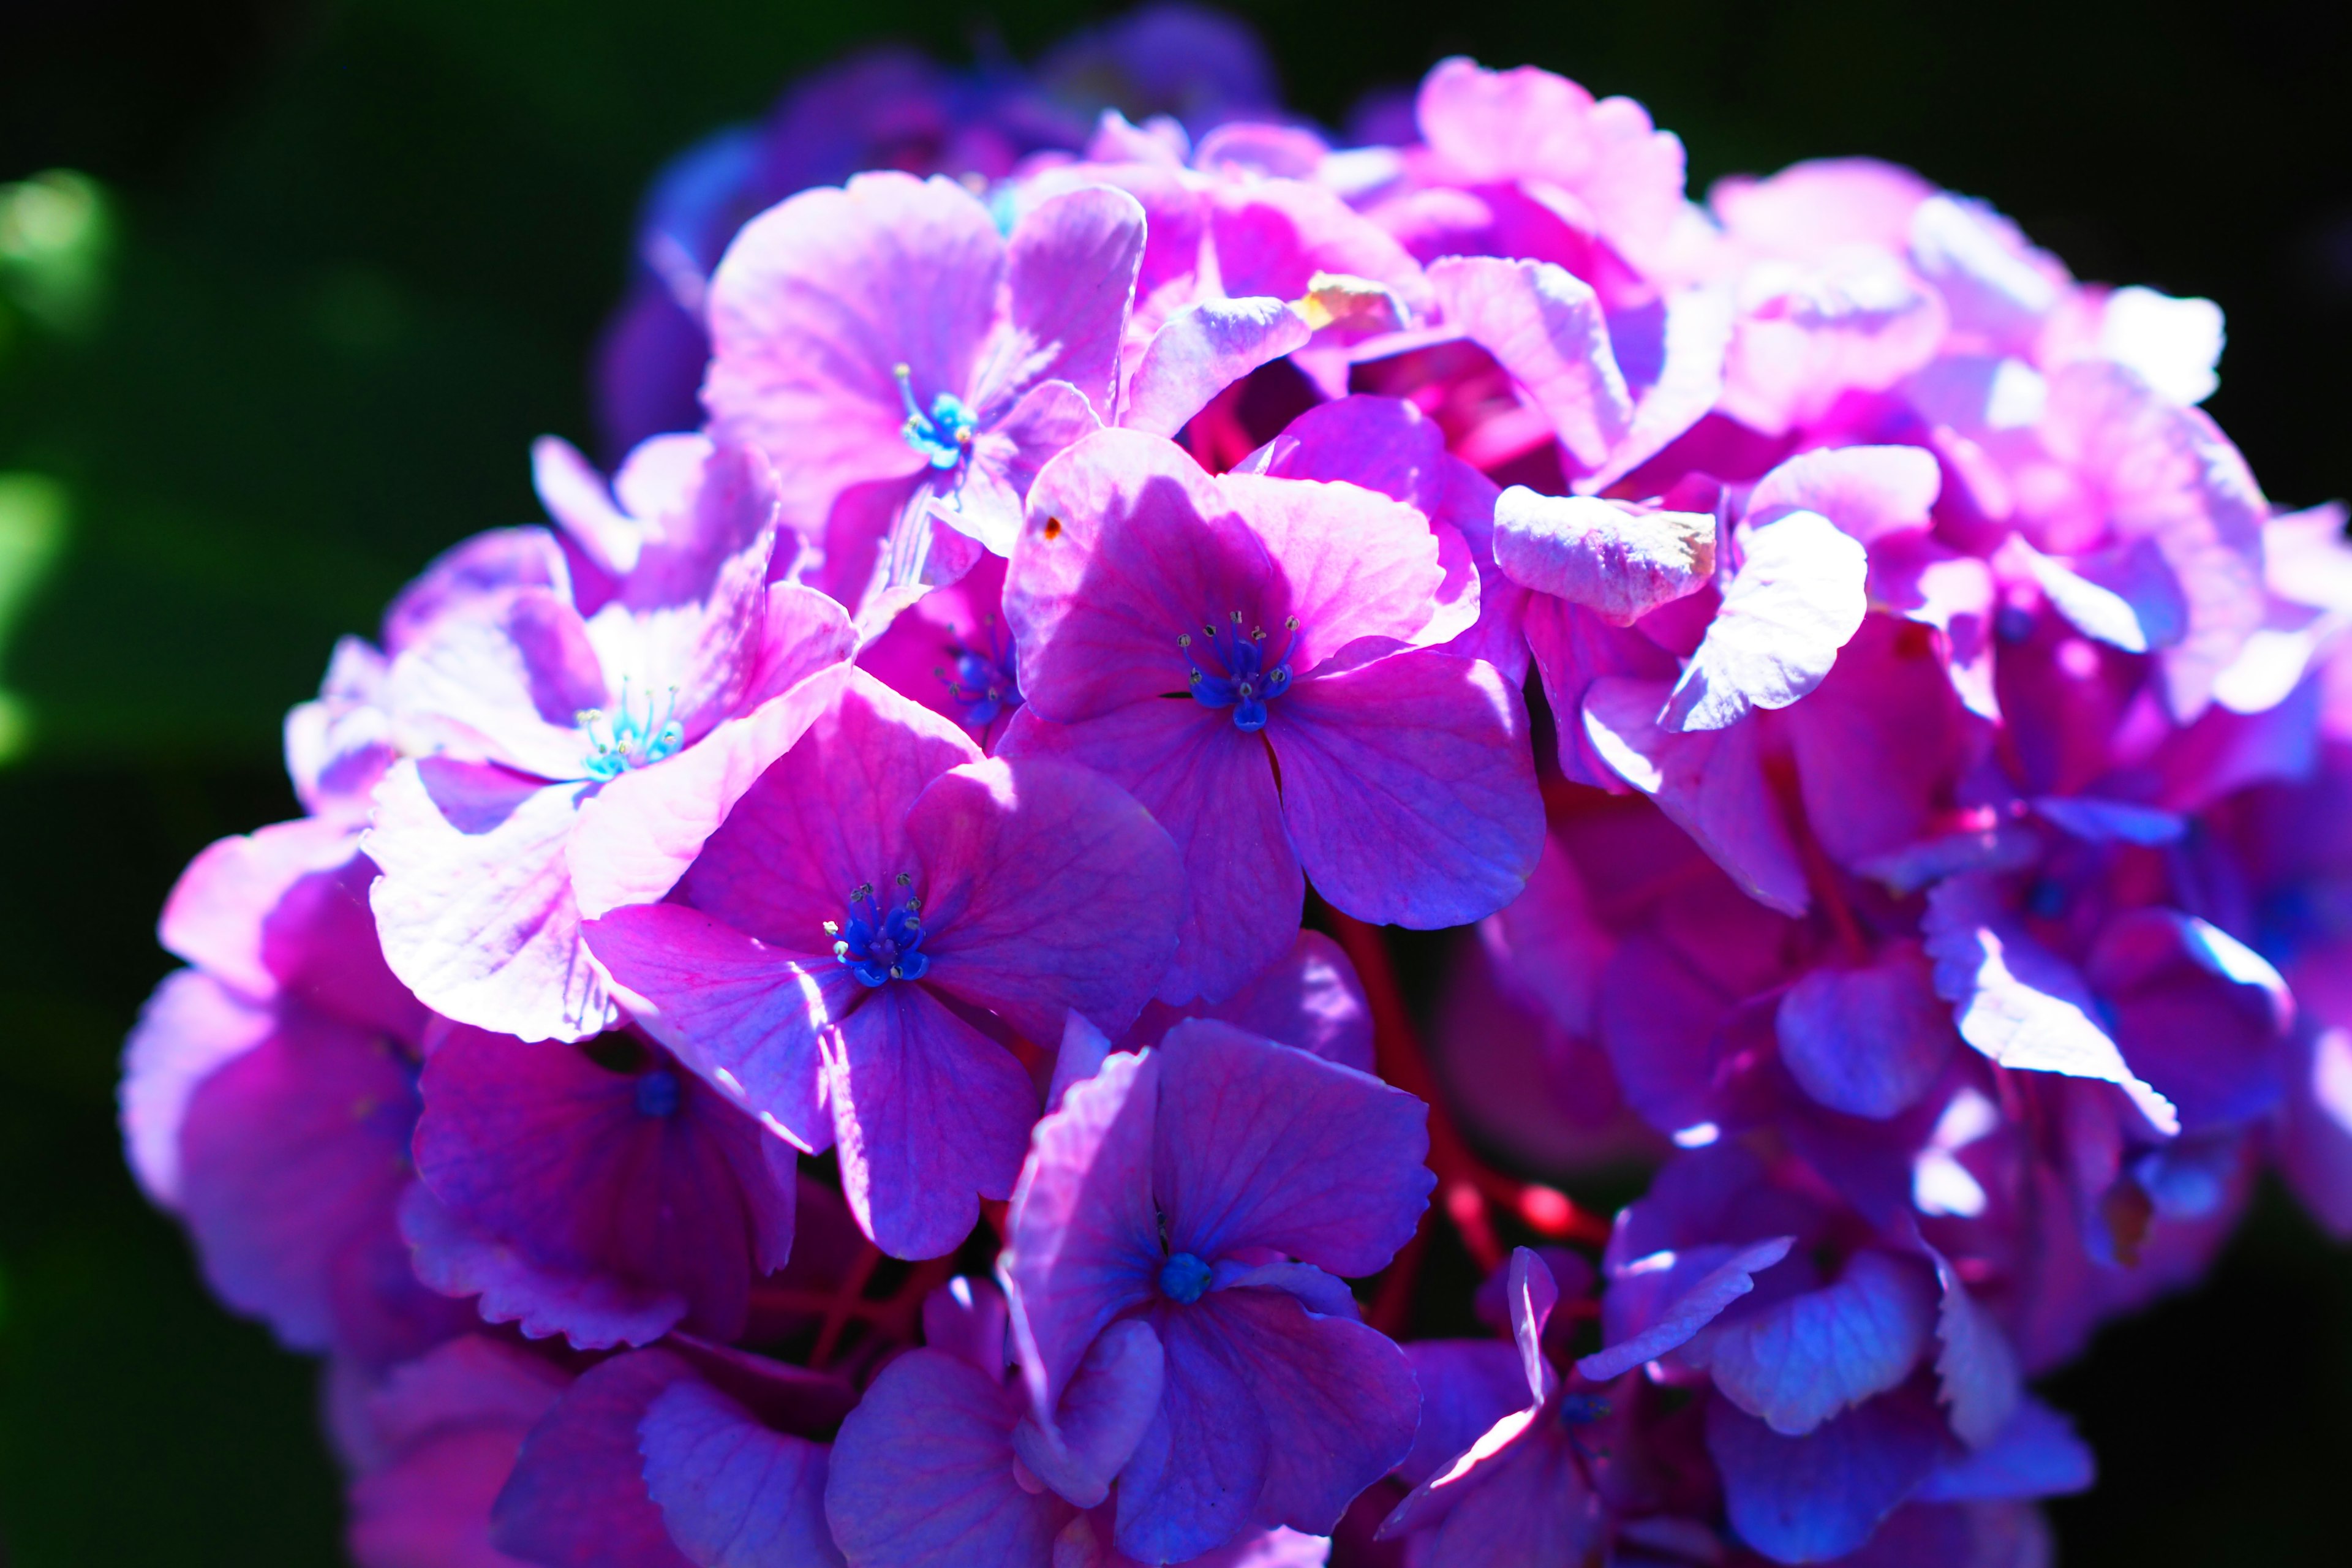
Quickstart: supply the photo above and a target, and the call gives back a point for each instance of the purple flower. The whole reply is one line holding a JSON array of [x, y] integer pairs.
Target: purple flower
[[269, 1090], [528, 700], [1302, 620], [858, 888], [1206, 1194], [685, 1455], [929, 1472], [1525, 163], [432, 1443], [597, 1190], [902, 363]]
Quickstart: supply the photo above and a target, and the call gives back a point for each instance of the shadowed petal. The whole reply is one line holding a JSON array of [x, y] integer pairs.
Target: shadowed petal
[[922, 1474], [1263, 1146], [930, 1116], [732, 1493]]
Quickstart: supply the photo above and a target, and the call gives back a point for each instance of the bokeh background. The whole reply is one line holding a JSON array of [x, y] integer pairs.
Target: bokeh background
[[287, 286]]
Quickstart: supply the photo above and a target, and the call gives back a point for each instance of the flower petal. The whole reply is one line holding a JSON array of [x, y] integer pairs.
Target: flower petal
[[1409, 790]]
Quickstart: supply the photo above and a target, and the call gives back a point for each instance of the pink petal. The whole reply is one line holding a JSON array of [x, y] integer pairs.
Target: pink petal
[[1709, 782], [475, 904], [1020, 859], [1409, 790], [1797, 598], [814, 304], [1202, 349], [929, 1115], [1544, 326]]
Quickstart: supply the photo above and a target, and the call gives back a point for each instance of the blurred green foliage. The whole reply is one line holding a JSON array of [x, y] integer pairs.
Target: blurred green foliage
[[287, 286]]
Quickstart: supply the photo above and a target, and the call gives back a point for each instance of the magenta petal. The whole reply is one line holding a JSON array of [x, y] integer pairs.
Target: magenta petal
[[1617, 562], [646, 1175], [291, 1153], [218, 914], [505, 682], [687, 625], [475, 905], [1309, 998], [742, 1015], [802, 632], [577, 1497], [486, 566], [576, 496], [594, 1311], [1070, 269], [1101, 1417], [1082, 1245], [930, 1116], [1361, 570], [1797, 598], [1409, 789], [188, 1029], [1711, 782], [1542, 324], [1211, 789], [2033, 1454], [827, 818], [638, 834], [1698, 337], [1020, 859], [1867, 491], [1262, 1146], [1976, 1370], [1573, 647], [732, 1493], [1299, 1415], [1006, 459], [1202, 349], [1127, 547], [817, 301], [922, 1474], [450, 1424]]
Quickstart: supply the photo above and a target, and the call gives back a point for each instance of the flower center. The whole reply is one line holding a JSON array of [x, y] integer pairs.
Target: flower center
[[1582, 1409], [1241, 671], [620, 739], [1183, 1278], [659, 1093], [986, 680], [944, 435], [880, 946]]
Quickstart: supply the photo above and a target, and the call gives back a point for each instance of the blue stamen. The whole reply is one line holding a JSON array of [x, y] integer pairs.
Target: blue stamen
[[620, 740], [986, 681], [1582, 1409], [659, 1093], [1246, 676], [879, 947], [944, 435], [1183, 1278]]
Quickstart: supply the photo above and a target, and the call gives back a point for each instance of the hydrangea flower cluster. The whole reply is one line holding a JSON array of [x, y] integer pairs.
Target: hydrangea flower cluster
[[827, 1007]]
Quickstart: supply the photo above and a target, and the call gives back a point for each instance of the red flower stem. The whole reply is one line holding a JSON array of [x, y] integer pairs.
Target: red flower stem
[[846, 1298], [1466, 1184]]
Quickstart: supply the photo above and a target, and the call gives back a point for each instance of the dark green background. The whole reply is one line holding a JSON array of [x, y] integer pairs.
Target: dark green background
[[360, 253]]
